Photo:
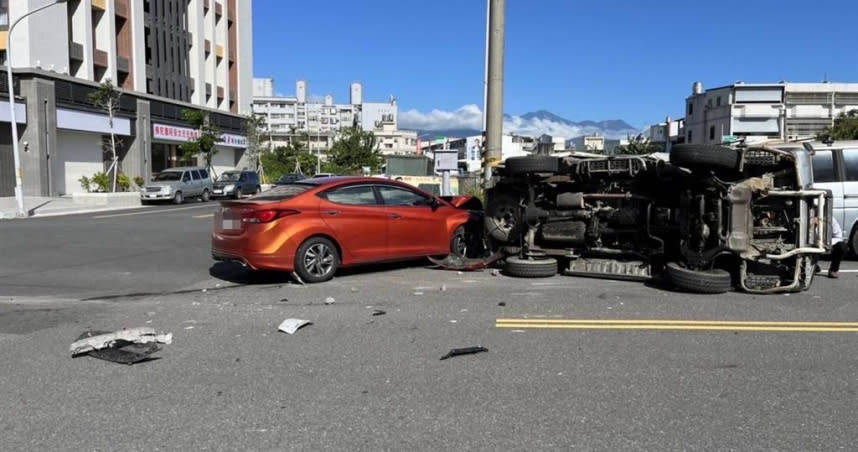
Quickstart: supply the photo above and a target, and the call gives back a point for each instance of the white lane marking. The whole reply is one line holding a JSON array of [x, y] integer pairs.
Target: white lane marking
[[149, 212], [840, 271], [207, 215]]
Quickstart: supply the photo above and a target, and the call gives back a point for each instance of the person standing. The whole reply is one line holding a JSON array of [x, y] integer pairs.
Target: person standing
[[838, 249]]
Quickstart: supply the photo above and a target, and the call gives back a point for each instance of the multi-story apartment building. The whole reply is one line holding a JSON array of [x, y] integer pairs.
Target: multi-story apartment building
[[165, 56], [785, 111], [322, 120]]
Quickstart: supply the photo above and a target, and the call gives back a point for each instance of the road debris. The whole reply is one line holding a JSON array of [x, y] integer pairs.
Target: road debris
[[418, 293], [377, 312], [495, 272], [298, 278], [464, 351], [330, 300], [354, 289], [125, 346], [290, 326], [453, 262], [502, 303], [443, 287]]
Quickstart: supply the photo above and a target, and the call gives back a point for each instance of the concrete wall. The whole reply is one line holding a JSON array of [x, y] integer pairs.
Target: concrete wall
[[80, 154], [244, 13], [46, 30]]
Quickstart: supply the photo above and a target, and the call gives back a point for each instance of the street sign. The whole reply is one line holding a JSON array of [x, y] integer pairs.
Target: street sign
[[446, 160]]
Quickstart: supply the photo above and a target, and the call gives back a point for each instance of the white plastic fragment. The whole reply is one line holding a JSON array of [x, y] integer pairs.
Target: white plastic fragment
[[443, 287], [290, 326], [418, 293], [495, 272], [142, 335], [330, 300]]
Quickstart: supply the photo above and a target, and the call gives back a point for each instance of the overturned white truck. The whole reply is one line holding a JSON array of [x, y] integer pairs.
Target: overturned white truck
[[709, 219]]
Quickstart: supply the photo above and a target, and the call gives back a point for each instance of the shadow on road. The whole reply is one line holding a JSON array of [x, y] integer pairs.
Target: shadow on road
[[236, 274]]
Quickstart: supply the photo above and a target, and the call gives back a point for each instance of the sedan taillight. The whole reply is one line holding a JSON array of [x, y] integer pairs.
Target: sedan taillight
[[266, 216]]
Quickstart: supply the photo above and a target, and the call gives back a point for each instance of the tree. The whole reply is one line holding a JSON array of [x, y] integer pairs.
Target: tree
[[638, 145], [254, 127], [106, 97], [286, 159], [204, 144], [354, 150], [845, 128]]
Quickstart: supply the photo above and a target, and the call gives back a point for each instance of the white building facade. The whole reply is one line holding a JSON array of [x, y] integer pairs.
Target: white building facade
[[785, 111], [322, 120], [164, 56]]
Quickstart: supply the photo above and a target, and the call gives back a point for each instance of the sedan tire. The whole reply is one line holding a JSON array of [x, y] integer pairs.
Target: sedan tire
[[177, 198], [317, 260]]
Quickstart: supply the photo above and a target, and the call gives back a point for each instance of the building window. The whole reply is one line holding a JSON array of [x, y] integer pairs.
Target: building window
[[718, 101], [690, 109], [711, 133], [4, 14], [689, 137]]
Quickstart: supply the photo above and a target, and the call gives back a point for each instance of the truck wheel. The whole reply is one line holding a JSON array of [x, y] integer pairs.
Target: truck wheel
[[697, 281], [503, 216], [704, 157], [532, 164], [526, 268]]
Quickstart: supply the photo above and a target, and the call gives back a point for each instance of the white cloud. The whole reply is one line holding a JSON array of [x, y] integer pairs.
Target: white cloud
[[470, 117], [466, 117]]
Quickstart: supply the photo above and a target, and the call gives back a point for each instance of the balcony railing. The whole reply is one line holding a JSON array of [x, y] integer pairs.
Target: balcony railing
[[99, 58], [75, 51]]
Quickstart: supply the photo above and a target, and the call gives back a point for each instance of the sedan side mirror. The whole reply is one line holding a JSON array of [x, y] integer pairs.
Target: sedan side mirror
[[434, 203]]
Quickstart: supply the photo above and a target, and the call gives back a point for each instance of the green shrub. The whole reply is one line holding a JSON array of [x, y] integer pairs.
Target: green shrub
[[85, 183], [102, 181], [123, 182], [139, 181]]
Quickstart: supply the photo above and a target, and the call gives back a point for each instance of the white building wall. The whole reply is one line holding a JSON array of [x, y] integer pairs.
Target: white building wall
[[244, 32], [40, 40], [138, 50], [197, 57]]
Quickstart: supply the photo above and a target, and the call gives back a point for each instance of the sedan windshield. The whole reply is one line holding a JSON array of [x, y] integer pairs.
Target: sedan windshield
[[168, 176], [229, 177]]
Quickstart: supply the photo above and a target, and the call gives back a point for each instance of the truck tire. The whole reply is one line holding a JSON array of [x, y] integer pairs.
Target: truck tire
[[697, 281], [704, 157], [503, 216], [532, 164], [526, 268]]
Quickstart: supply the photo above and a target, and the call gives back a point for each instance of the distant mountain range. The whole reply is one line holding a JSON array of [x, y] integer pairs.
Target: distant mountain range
[[535, 124]]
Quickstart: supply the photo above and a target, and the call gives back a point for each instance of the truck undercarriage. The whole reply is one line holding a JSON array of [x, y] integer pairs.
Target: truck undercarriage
[[709, 219]]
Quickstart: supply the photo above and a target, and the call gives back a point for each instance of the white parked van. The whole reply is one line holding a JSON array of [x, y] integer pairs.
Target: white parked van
[[835, 167]]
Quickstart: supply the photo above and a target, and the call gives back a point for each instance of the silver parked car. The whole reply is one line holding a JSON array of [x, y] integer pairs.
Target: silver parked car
[[178, 184]]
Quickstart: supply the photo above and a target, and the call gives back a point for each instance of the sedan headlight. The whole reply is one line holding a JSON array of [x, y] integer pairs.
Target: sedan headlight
[[166, 188], [229, 187]]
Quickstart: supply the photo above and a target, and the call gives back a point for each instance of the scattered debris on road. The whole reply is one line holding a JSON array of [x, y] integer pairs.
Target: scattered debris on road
[[464, 351], [298, 278], [378, 312], [124, 347], [453, 262], [495, 272], [418, 293], [290, 326], [443, 287], [330, 300], [502, 303]]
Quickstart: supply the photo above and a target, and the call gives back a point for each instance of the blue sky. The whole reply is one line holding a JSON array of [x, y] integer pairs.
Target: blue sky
[[600, 59]]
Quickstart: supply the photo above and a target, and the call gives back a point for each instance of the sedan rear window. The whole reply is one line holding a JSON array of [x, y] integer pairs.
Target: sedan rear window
[[281, 192]]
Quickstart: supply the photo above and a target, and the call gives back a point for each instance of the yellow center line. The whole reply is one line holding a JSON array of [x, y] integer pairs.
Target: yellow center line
[[701, 325], [208, 215]]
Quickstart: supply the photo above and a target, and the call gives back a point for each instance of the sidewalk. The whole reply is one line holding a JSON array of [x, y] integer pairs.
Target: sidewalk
[[39, 206]]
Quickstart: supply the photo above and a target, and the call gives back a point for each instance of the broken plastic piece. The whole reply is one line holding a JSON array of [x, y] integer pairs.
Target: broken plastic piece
[[378, 312], [464, 351], [97, 340], [120, 351], [330, 300], [453, 262], [290, 326]]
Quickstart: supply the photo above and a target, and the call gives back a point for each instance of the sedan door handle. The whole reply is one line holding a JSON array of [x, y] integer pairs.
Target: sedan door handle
[[331, 212], [395, 216]]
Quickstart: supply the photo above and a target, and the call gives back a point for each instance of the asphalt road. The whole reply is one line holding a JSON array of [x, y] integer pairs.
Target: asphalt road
[[354, 381]]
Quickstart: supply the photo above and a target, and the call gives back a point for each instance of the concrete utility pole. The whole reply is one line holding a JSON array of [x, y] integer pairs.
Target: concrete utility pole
[[494, 101]]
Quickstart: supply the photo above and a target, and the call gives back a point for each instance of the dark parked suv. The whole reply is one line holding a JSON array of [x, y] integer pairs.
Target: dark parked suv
[[236, 184]]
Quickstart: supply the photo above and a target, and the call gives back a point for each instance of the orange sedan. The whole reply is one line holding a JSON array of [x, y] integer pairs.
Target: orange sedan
[[315, 226]]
